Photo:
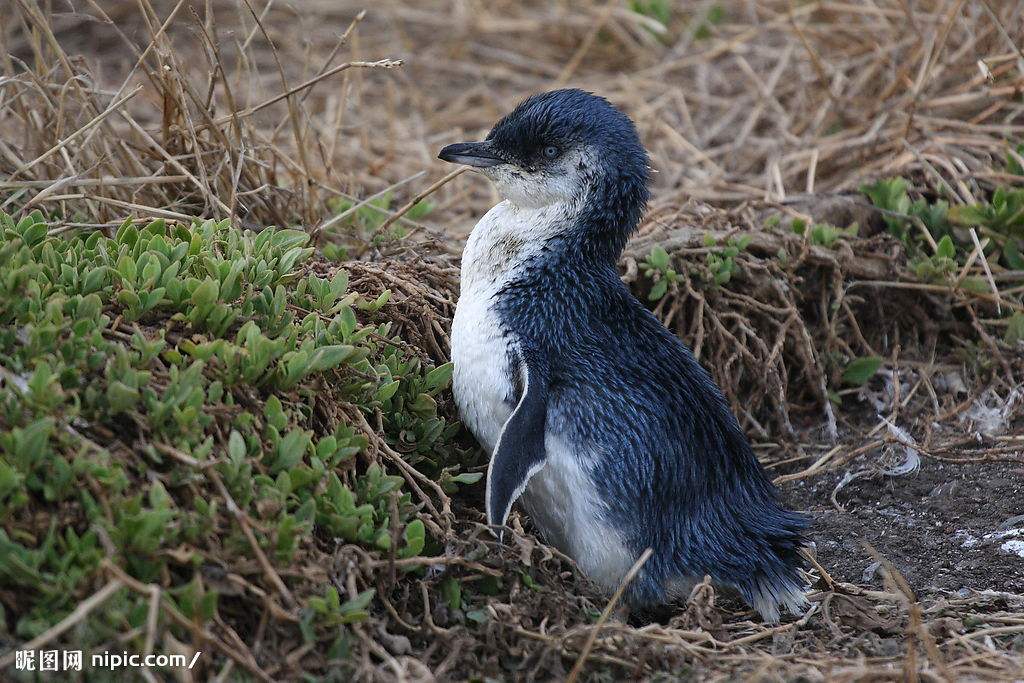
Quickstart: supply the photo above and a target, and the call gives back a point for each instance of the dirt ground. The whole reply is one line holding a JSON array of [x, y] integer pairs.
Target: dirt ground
[[943, 527]]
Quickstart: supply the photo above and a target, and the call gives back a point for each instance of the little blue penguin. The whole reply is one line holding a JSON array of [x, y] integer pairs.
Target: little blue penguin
[[598, 419]]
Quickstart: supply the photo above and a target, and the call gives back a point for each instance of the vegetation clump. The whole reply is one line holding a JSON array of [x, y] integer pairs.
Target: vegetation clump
[[188, 407], [794, 311]]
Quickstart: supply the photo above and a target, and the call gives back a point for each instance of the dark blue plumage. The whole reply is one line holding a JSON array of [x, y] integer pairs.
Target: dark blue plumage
[[668, 464]]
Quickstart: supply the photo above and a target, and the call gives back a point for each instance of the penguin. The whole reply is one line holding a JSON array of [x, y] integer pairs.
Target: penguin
[[598, 420]]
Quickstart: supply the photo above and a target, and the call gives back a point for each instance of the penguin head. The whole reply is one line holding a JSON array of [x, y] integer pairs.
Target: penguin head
[[571, 148]]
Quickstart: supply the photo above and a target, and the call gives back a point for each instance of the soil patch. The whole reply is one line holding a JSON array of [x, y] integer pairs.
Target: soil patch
[[947, 527]]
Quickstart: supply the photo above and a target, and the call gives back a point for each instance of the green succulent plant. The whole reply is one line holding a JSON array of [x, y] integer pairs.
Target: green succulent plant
[[140, 372]]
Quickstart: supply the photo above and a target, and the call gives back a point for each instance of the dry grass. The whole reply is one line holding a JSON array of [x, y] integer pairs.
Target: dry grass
[[177, 108], [269, 112], [784, 329]]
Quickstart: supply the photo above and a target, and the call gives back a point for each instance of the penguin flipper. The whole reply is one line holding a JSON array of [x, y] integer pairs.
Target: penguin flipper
[[519, 453]]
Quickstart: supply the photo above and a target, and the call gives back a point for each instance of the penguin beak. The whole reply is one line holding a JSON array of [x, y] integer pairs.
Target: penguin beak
[[475, 154]]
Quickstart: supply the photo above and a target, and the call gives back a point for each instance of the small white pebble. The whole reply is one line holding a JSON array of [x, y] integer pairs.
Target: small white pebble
[[1015, 547]]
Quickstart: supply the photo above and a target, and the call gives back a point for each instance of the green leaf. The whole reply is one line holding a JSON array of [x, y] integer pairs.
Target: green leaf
[[468, 477], [528, 580], [286, 239], [327, 357], [1015, 329], [206, 293], [89, 307], [288, 261], [274, 413], [236, 446], [326, 447], [35, 234], [968, 215], [658, 290], [10, 481], [439, 377], [423, 406], [387, 391], [887, 194], [121, 397], [946, 249], [659, 258], [451, 592], [339, 283], [127, 234], [977, 285], [30, 444], [95, 279], [126, 268], [291, 450], [415, 538], [860, 370], [358, 604], [1011, 252], [128, 299]]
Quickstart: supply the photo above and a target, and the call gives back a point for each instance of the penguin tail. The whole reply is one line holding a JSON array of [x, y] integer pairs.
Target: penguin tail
[[778, 581], [768, 599]]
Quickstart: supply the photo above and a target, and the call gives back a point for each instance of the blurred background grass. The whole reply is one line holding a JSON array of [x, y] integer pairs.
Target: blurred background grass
[[736, 100]]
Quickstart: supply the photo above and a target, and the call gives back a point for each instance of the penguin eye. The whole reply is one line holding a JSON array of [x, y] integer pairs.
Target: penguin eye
[[550, 152]]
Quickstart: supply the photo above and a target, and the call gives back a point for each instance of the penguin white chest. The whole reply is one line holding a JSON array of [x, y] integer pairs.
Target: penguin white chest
[[497, 250], [480, 347], [480, 381], [560, 502], [558, 497]]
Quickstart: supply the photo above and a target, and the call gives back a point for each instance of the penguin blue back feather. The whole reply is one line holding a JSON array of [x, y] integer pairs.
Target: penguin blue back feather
[[675, 471]]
